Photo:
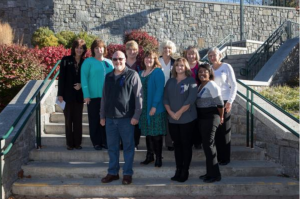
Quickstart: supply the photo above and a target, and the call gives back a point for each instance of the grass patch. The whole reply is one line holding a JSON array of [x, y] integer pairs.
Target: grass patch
[[285, 97]]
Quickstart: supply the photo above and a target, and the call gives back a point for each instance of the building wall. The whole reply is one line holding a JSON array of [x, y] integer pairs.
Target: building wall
[[203, 24]]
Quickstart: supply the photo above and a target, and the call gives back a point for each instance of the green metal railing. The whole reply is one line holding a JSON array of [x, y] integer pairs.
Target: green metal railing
[[249, 97], [287, 30], [221, 45], [37, 96]]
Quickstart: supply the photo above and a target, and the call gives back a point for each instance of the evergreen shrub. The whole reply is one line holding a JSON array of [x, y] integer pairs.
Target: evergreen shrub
[[43, 37], [66, 38]]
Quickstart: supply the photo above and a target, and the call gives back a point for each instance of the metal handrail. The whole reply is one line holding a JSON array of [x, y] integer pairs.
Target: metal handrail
[[7, 134], [251, 103], [220, 45], [263, 54], [37, 95]]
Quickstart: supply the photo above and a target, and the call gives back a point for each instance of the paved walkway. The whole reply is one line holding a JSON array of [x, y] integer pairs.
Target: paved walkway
[[173, 197]]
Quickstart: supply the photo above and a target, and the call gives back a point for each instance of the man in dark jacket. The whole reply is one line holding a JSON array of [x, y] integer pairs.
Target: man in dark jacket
[[121, 107]]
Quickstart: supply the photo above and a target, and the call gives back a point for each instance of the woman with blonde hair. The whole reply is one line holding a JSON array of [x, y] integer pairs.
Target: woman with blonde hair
[[153, 120], [193, 58], [179, 100], [167, 48]]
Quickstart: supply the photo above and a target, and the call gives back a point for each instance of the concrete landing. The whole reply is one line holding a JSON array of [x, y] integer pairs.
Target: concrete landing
[[92, 187]]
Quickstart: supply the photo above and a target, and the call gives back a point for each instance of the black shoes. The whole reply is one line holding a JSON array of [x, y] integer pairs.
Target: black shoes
[[177, 175], [70, 148], [78, 147], [183, 176], [149, 159], [170, 148], [203, 177], [158, 162], [97, 147], [222, 163], [212, 179]]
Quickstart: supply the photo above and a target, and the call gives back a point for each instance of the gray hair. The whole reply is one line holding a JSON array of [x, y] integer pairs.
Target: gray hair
[[169, 44], [216, 50]]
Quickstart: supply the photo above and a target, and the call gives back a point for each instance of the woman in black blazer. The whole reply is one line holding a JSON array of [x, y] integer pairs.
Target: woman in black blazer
[[69, 90]]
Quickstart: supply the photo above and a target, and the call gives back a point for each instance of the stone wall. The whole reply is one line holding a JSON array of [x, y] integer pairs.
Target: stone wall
[[279, 145], [188, 22], [288, 72]]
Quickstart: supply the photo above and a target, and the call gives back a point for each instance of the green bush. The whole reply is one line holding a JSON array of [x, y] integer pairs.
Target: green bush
[[43, 37], [66, 38], [87, 38]]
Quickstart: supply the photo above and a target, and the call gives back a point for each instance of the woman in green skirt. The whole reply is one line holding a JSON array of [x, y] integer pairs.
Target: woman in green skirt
[[153, 121]]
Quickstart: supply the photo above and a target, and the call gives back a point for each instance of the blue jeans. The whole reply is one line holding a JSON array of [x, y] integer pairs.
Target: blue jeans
[[116, 129]]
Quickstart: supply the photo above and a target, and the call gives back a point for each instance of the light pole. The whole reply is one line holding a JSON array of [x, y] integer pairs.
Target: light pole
[[241, 20]]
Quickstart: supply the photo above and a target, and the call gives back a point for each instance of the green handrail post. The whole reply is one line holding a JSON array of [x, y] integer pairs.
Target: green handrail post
[[247, 117], [38, 121], [252, 119]]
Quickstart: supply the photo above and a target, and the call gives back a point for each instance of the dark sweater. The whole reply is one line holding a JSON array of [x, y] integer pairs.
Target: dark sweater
[[121, 95], [68, 76]]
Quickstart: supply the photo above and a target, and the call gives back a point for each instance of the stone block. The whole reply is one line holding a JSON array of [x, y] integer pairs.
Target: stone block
[[217, 8], [82, 15]]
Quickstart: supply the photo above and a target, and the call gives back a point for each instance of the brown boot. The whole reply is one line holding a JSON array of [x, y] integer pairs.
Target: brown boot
[[109, 178], [127, 179]]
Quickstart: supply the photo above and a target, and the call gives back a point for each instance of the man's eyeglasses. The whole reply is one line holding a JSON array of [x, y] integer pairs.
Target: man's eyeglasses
[[116, 59]]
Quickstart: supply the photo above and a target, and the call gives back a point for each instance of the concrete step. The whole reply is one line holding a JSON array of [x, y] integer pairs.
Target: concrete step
[[89, 154], [99, 169], [60, 118], [240, 56], [92, 187], [59, 110], [59, 128], [236, 140]]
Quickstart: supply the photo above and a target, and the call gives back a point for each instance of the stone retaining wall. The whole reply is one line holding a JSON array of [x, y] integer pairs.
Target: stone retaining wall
[[189, 22], [279, 145]]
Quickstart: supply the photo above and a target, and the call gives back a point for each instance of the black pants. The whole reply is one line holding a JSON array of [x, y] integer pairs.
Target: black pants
[[154, 145], [97, 132], [197, 138], [182, 136], [137, 135], [223, 138], [208, 122], [73, 123]]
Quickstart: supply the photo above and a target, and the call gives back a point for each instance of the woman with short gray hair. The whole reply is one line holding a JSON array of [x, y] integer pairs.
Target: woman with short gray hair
[[225, 79]]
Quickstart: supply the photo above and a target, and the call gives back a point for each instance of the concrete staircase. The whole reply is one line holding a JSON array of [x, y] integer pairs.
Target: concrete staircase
[[237, 62], [55, 172]]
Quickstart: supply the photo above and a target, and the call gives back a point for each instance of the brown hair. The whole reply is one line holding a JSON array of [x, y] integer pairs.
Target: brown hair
[[98, 43], [78, 43], [156, 62], [206, 66], [188, 71]]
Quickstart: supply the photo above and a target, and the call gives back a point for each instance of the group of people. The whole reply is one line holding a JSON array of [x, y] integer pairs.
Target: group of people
[[185, 101]]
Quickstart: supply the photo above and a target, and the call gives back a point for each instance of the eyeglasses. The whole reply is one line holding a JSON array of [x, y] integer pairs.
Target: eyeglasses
[[117, 59]]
